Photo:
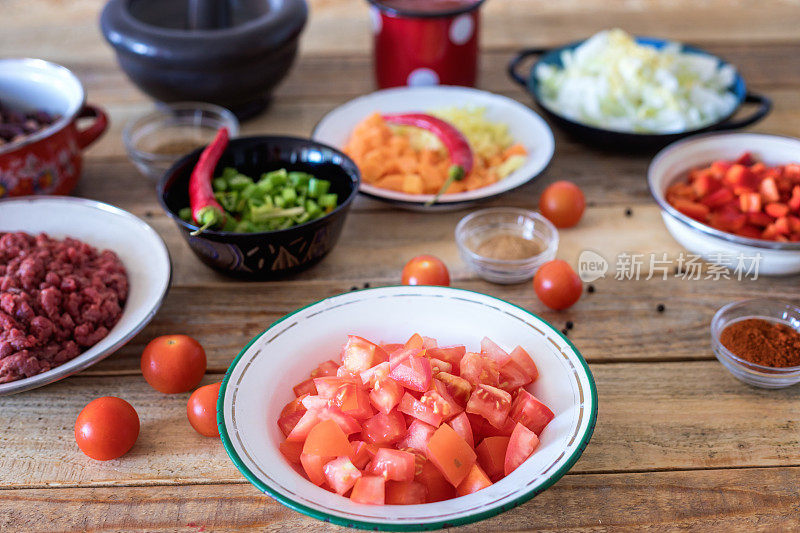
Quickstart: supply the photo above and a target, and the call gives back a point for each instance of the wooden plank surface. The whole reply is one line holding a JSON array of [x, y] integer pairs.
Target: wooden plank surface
[[652, 417]]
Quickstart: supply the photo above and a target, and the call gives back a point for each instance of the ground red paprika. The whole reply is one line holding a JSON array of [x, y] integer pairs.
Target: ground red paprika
[[763, 342]]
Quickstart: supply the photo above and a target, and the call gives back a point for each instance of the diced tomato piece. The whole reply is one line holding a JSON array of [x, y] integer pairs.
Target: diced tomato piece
[[384, 429], [353, 400], [343, 372], [523, 359], [777, 209], [413, 407], [328, 368], [328, 386], [288, 422], [794, 201], [440, 400], [513, 376], [386, 394], [437, 365], [462, 426], [292, 407], [741, 177], [750, 202], [416, 342], [403, 354], [315, 402], [491, 403], [371, 375], [395, 465], [745, 159], [341, 474], [314, 466], [718, 198], [476, 480], [312, 417], [362, 453], [491, 350], [305, 387], [370, 490], [414, 373], [691, 209], [521, 445], [705, 183], [458, 387], [360, 354], [530, 412], [759, 219], [477, 423], [327, 439], [492, 456], [450, 454], [448, 354], [291, 450], [769, 190], [405, 493], [417, 437], [391, 348], [437, 487], [478, 369], [505, 430], [429, 342]]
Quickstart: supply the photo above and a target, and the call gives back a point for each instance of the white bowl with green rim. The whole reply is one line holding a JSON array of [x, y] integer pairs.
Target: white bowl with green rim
[[259, 383]]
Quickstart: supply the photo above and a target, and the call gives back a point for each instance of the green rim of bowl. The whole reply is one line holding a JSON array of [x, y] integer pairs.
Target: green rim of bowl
[[360, 524]]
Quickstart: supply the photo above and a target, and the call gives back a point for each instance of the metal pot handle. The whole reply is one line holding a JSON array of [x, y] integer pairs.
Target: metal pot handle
[[763, 109]]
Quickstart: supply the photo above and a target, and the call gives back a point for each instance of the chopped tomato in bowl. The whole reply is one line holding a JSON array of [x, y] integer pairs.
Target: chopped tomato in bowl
[[415, 420], [733, 199]]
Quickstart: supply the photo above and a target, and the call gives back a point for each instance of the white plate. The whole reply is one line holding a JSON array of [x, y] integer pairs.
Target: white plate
[[259, 383], [138, 246], [672, 164], [525, 127]]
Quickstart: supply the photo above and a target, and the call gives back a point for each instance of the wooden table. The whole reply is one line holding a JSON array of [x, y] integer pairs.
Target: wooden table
[[680, 444]]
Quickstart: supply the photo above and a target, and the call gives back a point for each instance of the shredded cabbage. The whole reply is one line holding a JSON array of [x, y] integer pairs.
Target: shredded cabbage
[[611, 81]]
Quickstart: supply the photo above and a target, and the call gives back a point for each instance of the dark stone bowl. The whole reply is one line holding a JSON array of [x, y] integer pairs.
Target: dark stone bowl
[[234, 58], [271, 254]]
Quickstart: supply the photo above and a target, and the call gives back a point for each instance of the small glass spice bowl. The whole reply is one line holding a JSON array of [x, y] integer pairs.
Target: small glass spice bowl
[[766, 377], [476, 228], [158, 139]]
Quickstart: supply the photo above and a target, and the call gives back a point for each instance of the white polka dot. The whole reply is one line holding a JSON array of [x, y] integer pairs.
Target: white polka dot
[[461, 29], [421, 77], [375, 18]]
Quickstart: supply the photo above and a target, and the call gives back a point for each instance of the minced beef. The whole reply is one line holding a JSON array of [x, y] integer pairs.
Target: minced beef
[[57, 298]]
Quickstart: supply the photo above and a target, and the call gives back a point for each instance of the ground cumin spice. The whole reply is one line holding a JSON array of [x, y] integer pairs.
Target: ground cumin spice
[[508, 246], [763, 342]]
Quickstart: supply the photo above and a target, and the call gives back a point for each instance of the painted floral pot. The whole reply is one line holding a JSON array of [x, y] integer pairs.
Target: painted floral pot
[[426, 42], [49, 160]]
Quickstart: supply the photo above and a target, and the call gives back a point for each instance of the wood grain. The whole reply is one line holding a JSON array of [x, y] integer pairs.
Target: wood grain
[[653, 417], [717, 500]]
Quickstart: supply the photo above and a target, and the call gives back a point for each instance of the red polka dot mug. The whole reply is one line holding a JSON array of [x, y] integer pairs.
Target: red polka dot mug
[[425, 42]]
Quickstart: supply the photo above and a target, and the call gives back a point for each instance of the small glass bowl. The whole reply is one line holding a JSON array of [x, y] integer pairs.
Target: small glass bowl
[[475, 228], [187, 125], [766, 377]]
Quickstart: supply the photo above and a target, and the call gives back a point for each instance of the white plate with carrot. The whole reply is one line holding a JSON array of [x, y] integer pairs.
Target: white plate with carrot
[[439, 148]]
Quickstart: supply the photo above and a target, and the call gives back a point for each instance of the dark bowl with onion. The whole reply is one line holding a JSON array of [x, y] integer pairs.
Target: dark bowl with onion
[[269, 254]]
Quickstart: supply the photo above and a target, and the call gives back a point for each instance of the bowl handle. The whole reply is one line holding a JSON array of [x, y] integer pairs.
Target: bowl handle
[[518, 58], [92, 133], [764, 107]]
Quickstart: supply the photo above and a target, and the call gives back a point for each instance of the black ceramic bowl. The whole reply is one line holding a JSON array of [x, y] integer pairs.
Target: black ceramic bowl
[[627, 141], [223, 52], [269, 254]]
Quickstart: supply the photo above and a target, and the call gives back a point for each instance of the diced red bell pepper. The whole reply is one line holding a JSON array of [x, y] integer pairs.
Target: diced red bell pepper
[[777, 209], [719, 197], [769, 190], [750, 202], [691, 209]]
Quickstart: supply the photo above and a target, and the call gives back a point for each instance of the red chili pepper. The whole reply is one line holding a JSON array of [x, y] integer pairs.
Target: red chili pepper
[[453, 140], [206, 211]]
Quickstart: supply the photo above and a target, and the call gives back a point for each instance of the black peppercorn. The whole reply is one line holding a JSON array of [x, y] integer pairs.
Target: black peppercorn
[[570, 325], [590, 289], [660, 308]]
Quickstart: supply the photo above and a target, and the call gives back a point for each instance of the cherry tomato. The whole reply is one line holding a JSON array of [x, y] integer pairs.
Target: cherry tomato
[[173, 363], [562, 203], [202, 410], [107, 428], [557, 285], [426, 270]]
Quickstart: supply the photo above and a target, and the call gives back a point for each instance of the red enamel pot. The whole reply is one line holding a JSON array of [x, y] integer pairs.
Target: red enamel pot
[[425, 42], [49, 160]]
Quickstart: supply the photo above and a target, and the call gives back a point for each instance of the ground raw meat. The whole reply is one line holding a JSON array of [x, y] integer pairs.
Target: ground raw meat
[[57, 298]]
